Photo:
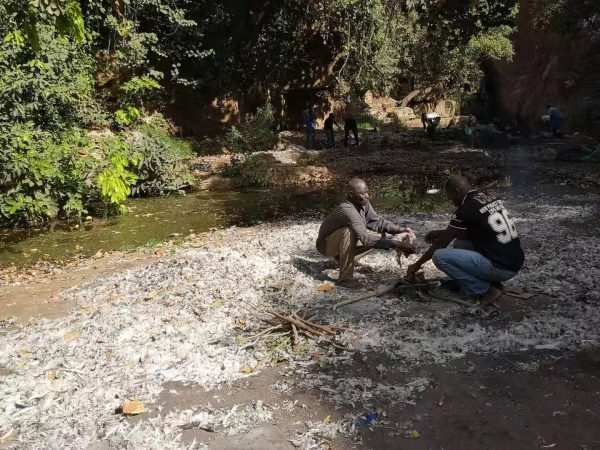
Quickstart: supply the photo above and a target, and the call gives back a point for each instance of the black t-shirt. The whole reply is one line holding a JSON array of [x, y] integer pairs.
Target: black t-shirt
[[491, 230]]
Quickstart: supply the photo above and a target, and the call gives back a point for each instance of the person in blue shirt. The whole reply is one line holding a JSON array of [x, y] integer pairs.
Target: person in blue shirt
[[309, 123], [556, 119]]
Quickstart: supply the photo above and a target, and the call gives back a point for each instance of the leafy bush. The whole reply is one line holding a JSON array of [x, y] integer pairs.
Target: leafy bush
[[163, 165], [45, 177], [115, 177], [41, 177], [127, 116], [255, 132], [247, 171], [52, 89]]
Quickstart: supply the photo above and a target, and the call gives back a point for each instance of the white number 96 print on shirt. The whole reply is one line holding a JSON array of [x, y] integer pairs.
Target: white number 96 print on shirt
[[503, 225]]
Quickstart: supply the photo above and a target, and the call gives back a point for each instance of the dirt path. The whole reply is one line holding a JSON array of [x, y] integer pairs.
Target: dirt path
[[40, 298]]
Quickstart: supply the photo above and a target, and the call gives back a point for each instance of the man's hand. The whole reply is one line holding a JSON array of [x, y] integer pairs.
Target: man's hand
[[412, 271], [404, 247], [433, 236], [403, 230]]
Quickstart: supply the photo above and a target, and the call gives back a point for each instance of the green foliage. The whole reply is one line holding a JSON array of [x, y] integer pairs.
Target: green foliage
[[42, 177], [255, 132], [248, 171], [163, 166], [493, 44], [140, 89], [64, 16], [116, 178], [127, 116], [68, 66], [52, 89]]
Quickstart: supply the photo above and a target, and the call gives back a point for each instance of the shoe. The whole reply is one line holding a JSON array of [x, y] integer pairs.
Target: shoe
[[491, 296], [352, 283]]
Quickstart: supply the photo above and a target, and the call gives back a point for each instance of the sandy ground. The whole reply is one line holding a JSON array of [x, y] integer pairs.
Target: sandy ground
[[173, 333]]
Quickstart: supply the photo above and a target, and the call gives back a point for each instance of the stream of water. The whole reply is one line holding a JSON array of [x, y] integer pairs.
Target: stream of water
[[152, 220]]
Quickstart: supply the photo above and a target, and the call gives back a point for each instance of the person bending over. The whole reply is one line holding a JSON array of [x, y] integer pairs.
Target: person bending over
[[486, 250], [349, 223], [431, 122], [350, 125]]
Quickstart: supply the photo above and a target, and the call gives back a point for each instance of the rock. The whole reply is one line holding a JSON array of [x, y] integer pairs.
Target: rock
[[216, 183]]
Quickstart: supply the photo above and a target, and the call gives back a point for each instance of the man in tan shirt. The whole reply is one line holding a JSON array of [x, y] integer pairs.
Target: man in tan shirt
[[350, 222]]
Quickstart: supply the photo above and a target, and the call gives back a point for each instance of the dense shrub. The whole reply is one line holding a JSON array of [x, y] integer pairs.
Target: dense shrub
[[163, 166], [44, 177], [255, 132], [248, 171]]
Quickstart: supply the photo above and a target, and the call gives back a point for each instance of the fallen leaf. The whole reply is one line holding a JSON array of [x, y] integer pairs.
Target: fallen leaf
[[151, 295], [414, 434], [247, 369], [71, 336], [51, 375], [327, 420], [324, 287], [133, 407]]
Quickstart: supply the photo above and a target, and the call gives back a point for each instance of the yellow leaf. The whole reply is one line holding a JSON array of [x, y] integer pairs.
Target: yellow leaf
[[324, 287], [133, 407], [414, 434], [24, 351], [327, 420], [247, 369], [52, 375], [151, 295], [71, 336]]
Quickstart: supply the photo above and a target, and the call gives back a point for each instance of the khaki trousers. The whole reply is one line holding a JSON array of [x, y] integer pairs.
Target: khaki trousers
[[341, 245]]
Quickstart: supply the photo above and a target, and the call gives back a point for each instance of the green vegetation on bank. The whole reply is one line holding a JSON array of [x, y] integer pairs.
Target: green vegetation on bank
[[77, 131]]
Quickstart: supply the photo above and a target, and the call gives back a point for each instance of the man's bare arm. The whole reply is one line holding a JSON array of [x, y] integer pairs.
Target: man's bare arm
[[443, 240]]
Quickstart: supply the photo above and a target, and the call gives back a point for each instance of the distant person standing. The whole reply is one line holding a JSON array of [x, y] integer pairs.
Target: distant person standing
[[555, 120], [328, 127], [350, 124], [309, 123]]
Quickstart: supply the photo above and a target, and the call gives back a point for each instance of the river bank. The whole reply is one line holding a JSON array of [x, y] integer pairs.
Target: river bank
[[173, 326]]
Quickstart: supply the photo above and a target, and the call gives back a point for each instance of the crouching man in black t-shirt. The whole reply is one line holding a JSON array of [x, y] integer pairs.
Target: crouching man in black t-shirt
[[487, 249]]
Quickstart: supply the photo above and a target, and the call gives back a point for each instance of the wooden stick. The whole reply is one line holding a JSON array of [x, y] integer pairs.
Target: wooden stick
[[315, 325], [268, 330], [452, 299], [299, 324], [386, 290], [295, 331]]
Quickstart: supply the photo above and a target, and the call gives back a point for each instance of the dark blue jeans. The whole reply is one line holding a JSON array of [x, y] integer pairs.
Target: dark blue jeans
[[469, 268]]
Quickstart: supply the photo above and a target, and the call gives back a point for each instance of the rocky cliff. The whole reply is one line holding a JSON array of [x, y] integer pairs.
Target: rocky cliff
[[554, 64]]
